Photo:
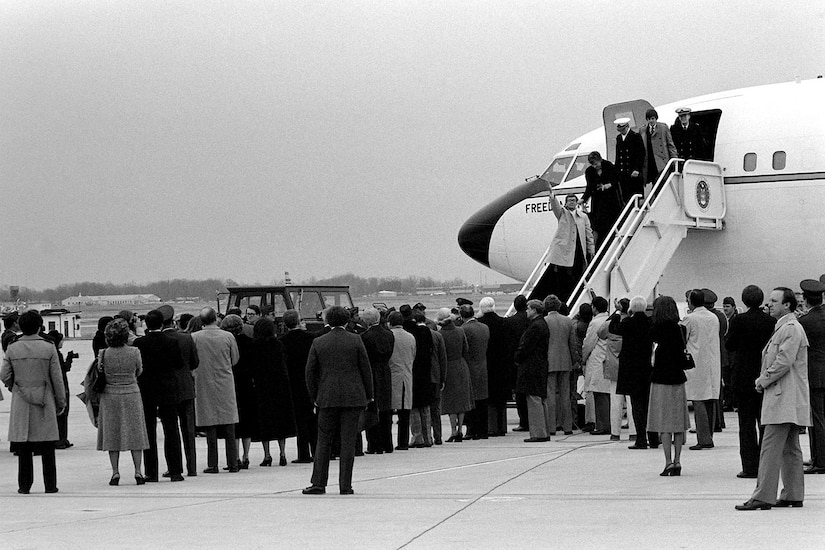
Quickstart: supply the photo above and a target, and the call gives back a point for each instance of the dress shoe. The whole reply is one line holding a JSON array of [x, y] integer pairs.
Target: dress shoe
[[370, 453], [677, 469], [267, 462], [210, 470], [569, 432], [282, 460], [521, 429], [615, 438], [139, 479], [632, 437], [451, 439], [234, 469], [782, 503], [314, 490], [635, 446], [64, 445], [700, 447], [166, 474], [176, 477], [347, 491], [418, 445], [115, 479], [814, 470], [599, 432], [303, 460], [191, 474], [438, 442], [51, 490], [587, 428], [23, 491], [746, 475], [152, 479], [753, 505], [667, 470], [536, 439], [400, 448], [244, 464]]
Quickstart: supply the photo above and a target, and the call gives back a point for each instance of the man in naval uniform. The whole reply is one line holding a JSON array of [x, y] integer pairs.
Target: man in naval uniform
[[687, 136], [630, 159], [814, 324]]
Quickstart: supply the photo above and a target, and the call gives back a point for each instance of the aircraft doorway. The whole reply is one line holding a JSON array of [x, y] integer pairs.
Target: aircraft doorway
[[708, 122]]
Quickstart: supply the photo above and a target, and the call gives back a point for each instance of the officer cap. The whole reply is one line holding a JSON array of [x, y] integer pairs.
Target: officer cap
[[811, 286], [624, 121], [710, 296], [167, 311], [463, 302], [683, 110]]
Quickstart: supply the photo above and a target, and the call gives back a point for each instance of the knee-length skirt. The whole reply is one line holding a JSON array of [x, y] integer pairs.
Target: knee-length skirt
[[121, 425], [667, 409]]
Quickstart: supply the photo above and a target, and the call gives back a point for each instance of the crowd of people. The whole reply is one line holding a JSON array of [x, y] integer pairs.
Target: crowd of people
[[232, 378]]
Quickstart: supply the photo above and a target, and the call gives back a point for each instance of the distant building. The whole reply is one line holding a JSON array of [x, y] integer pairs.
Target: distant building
[[111, 300], [387, 293], [62, 320]]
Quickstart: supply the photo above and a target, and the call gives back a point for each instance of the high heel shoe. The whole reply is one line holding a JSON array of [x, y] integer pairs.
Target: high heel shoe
[[244, 464], [459, 437], [451, 439], [677, 469], [267, 461], [282, 461], [115, 479], [668, 470], [139, 479]]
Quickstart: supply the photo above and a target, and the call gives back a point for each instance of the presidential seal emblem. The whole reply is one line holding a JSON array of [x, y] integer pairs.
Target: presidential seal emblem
[[702, 194]]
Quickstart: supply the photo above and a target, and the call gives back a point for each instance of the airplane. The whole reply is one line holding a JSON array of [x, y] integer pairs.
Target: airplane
[[768, 144]]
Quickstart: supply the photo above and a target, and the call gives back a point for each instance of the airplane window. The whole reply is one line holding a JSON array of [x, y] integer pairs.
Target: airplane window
[[779, 160], [579, 166], [555, 172], [750, 162]]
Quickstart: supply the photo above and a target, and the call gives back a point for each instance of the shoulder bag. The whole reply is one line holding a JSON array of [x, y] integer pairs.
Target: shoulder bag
[[99, 383], [687, 359]]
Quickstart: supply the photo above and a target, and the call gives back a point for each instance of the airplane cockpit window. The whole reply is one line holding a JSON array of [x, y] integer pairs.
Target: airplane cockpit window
[[578, 168], [779, 160], [750, 162], [555, 172], [573, 146]]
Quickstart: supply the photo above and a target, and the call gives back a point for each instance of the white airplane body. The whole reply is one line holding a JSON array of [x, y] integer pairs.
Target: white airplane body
[[770, 143]]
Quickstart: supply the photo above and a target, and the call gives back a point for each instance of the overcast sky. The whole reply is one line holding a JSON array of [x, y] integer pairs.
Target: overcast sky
[[164, 139]]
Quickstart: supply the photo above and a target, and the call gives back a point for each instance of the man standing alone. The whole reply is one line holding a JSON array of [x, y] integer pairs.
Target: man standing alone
[[785, 407], [339, 381]]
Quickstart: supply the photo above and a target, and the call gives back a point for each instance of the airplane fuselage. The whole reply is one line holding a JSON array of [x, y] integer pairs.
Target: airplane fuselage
[[770, 143]]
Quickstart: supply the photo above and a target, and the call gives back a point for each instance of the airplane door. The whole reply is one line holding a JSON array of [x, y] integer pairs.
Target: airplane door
[[634, 110]]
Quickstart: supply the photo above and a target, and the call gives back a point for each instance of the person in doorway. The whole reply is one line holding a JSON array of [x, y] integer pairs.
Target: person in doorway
[[659, 147], [572, 246], [630, 159]]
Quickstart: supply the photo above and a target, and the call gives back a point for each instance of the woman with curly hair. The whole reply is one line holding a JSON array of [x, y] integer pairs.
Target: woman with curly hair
[[121, 424]]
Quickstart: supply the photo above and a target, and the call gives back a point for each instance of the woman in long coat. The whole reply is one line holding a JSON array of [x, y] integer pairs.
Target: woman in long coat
[[121, 424], [605, 195], [276, 415], [635, 367], [246, 429], [457, 396], [31, 371]]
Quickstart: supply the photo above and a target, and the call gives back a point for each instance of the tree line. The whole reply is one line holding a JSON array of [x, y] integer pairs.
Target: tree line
[[205, 289]]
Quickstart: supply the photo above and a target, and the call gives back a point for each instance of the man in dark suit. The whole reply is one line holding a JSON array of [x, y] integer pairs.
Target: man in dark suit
[[186, 387], [159, 391], [690, 144], [814, 324], [478, 336], [339, 381], [516, 325], [297, 342], [747, 335], [498, 353], [379, 343], [630, 159], [423, 387]]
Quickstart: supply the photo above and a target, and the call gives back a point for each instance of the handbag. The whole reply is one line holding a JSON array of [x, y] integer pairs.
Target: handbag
[[687, 358], [99, 375]]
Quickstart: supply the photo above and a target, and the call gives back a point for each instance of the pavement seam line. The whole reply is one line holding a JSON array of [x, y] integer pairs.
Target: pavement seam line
[[505, 482]]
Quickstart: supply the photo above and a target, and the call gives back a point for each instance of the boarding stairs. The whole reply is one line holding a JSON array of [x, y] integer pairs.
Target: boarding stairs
[[689, 195]]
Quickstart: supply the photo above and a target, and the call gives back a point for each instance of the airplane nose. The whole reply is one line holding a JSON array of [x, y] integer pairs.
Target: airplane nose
[[474, 236]]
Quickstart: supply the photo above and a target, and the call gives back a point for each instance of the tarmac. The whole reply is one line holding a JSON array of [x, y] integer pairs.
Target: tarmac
[[577, 491]]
